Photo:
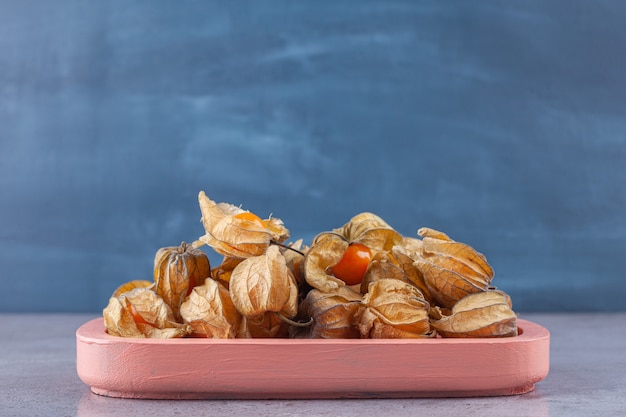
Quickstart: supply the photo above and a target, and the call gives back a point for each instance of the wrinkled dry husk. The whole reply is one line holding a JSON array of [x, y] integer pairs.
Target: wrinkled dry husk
[[266, 325], [119, 320], [223, 271], [413, 274], [294, 258], [177, 269], [437, 313], [234, 237], [326, 250], [332, 313], [394, 309], [410, 246], [472, 264], [446, 286], [210, 311], [264, 283], [131, 285], [486, 314], [382, 268], [451, 270], [370, 230]]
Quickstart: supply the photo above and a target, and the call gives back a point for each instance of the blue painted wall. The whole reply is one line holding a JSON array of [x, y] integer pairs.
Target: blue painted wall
[[502, 124]]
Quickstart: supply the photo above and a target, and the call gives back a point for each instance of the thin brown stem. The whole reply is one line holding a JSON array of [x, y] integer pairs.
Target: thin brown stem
[[294, 323], [282, 245]]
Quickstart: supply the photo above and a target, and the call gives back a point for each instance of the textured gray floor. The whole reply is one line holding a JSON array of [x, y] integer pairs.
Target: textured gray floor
[[587, 378]]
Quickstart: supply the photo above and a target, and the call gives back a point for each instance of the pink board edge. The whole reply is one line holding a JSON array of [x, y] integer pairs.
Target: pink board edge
[[290, 369]]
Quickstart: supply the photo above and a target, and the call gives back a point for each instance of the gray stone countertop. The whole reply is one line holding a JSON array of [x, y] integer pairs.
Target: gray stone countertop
[[587, 378]]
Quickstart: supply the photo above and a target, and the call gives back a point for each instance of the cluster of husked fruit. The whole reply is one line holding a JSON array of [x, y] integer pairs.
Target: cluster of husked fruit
[[361, 280]]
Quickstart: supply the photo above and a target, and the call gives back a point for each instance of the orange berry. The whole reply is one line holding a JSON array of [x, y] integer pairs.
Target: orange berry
[[353, 264]]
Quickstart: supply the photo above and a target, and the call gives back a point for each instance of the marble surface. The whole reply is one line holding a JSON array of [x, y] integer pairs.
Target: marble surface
[[587, 378]]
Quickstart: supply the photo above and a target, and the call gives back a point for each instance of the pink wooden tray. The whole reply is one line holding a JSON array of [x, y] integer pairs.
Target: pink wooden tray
[[286, 368]]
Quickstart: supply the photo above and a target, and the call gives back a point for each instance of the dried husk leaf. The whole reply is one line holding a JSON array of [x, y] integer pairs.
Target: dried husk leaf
[[266, 325], [210, 311], [332, 313], [165, 333], [410, 246], [264, 283], [485, 314], [382, 267], [470, 263], [177, 269], [414, 275], [326, 250], [370, 230], [131, 285], [451, 270], [294, 258], [237, 237], [150, 306], [119, 319], [446, 286], [224, 270], [394, 309], [434, 234], [437, 313], [277, 229]]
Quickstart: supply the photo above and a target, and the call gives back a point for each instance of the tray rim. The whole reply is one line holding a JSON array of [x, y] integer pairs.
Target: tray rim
[[159, 368], [528, 331]]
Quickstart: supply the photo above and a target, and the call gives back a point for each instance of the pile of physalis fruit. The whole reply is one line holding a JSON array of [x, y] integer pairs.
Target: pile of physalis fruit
[[361, 280]]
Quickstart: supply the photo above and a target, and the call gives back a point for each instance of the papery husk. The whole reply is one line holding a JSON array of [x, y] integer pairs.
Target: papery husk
[[446, 286], [437, 313], [266, 325], [332, 313], [485, 314], [413, 274], [177, 269], [131, 285], [264, 284], [294, 254], [370, 230], [471, 264], [326, 250], [210, 311], [452, 270], [382, 267], [410, 246], [223, 271], [235, 237], [394, 309], [119, 320]]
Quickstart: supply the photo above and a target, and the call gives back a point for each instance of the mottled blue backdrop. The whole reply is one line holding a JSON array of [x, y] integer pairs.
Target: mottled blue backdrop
[[502, 124]]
